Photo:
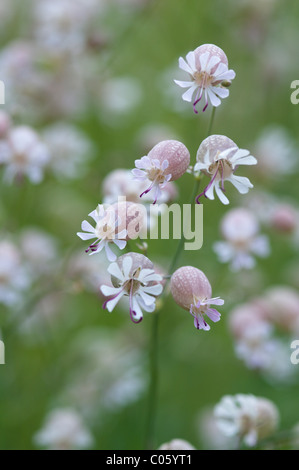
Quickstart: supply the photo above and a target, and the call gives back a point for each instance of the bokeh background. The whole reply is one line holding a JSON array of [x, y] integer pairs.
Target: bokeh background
[[110, 76]]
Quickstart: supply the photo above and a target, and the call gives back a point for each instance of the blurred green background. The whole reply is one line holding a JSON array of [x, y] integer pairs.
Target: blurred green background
[[196, 368]]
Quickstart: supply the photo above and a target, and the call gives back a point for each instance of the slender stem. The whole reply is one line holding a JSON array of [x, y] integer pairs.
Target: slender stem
[[182, 240], [153, 388], [154, 372], [211, 121]]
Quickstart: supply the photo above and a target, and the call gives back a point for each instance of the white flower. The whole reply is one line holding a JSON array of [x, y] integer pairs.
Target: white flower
[[70, 150], [14, 278], [105, 232], [166, 161], [209, 73], [63, 430], [249, 417], [241, 231], [177, 444], [218, 157], [276, 151], [151, 169], [134, 276], [26, 155]]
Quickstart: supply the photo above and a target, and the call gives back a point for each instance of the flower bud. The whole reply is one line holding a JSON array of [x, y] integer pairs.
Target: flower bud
[[192, 291]]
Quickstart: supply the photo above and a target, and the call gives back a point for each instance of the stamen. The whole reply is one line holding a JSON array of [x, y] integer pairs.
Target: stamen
[[112, 298], [197, 99], [92, 247], [208, 186]]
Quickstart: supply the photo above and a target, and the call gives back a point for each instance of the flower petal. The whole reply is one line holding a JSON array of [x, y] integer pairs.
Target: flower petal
[[241, 183], [221, 194], [183, 84], [187, 96], [86, 236], [213, 314], [127, 265]]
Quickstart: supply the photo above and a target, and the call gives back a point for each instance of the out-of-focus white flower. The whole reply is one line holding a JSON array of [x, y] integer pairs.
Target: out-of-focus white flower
[[87, 273], [106, 373], [218, 157], [209, 434], [26, 155], [192, 291], [167, 161], [276, 152], [39, 250], [105, 232], [256, 326], [63, 430], [61, 26], [240, 229], [177, 444], [282, 308], [249, 417], [70, 150], [209, 73], [121, 183], [14, 278], [22, 96], [119, 96], [133, 275]]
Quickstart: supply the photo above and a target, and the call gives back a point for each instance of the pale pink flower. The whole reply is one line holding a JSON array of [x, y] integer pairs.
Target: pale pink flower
[[284, 218], [208, 69], [133, 275], [240, 229], [167, 161], [218, 157], [192, 291], [105, 232], [26, 155]]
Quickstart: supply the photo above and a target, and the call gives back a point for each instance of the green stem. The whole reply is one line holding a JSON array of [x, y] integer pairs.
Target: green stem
[[153, 388], [211, 121], [154, 372]]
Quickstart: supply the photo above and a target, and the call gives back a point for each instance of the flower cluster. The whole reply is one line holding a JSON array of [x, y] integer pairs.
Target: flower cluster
[[263, 330], [246, 417]]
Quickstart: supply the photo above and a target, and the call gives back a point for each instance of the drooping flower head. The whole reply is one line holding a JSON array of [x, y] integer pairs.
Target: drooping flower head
[[192, 291], [133, 275], [208, 69], [167, 161], [218, 157], [243, 241], [116, 224], [249, 417]]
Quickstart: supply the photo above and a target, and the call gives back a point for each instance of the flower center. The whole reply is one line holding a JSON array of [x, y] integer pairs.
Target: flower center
[[156, 174], [222, 167], [202, 79], [105, 231], [198, 307]]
